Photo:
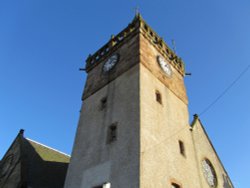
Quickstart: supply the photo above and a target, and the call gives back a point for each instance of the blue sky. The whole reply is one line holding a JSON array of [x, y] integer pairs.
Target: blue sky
[[44, 43]]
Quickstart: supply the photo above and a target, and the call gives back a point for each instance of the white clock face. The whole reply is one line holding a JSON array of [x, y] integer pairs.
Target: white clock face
[[165, 66], [110, 63], [209, 173]]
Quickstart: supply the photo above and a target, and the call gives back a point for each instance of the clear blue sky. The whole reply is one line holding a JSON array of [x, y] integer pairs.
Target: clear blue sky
[[43, 43]]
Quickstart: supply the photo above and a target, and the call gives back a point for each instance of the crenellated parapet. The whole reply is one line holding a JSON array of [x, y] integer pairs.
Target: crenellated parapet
[[138, 25], [112, 44], [161, 46]]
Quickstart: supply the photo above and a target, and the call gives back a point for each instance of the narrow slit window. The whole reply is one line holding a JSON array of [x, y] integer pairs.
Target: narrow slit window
[[158, 97], [175, 185], [182, 147], [103, 103], [112, 133]]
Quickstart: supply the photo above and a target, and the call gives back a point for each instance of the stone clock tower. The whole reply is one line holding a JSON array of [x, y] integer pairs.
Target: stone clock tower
[[134, 130]]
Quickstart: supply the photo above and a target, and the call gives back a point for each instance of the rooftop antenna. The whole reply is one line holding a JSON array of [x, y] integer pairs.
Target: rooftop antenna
[[174, 46], [174, 49], [137, 12]]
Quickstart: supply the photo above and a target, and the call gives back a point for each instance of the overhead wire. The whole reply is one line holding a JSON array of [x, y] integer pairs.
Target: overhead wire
[[225, 91], [164, 141]]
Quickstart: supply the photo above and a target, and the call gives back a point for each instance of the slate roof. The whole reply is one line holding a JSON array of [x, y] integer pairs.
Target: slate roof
[[40, 165], [47, 153]]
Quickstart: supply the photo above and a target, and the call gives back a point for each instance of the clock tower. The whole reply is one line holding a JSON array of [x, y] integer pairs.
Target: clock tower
[[134, 130]]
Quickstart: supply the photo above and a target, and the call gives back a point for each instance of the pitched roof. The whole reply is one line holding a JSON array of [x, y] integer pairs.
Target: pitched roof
[[36, 165], [47, 153]]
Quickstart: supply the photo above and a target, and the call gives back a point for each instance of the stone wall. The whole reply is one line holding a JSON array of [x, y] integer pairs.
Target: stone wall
[[163, 125], [146, 152], [10, 172], [94, 160], [205, 150]]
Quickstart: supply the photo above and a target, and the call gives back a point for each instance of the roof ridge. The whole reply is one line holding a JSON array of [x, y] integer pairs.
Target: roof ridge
[[48, 147]]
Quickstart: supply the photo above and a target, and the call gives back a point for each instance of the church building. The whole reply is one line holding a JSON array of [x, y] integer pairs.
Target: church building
[[134, 129]]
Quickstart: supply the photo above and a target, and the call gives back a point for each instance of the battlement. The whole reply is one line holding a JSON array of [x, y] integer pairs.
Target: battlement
[[138, 25]]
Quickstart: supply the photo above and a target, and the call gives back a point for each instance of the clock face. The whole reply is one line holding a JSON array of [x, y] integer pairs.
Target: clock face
[[165, 66], [209, 173], [110, 63], [6, 166]]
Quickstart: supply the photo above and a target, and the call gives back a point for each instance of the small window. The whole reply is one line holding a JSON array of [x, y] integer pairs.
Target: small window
[[112, 133], [158, 97], [182, 148], [103, 103], [175, 185]]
